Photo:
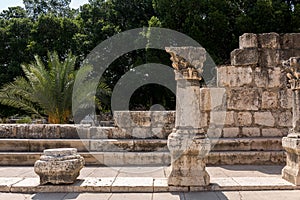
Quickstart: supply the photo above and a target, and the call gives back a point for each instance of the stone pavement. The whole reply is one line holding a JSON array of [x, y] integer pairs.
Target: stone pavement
[[229, 182], [242, 195]]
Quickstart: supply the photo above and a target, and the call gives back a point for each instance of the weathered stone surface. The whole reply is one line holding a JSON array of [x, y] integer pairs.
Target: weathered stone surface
[[290, 41], [204, 119], [244, 118], [285, 119], [213, 132], [187, 144], [269, 40], [250, 132], [274, 132], [264, 119], [243, 99], [222, 118], [244, 57], [248, 40], [269, 58], [269, 100], [212, 99], [286, 98], [232, 76], [59, 166], [268, 78], [231, 132], [291, 172], [188, 161]]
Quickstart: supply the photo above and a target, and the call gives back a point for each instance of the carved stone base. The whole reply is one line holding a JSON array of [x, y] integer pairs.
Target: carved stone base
[[59, 166], [291, 172], [188, 155]]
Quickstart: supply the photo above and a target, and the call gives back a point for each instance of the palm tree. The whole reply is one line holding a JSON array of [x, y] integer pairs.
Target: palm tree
[[43, 90]]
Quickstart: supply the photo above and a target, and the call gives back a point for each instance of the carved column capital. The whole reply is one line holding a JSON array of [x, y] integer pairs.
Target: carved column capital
[[187, 62], [292, 67]]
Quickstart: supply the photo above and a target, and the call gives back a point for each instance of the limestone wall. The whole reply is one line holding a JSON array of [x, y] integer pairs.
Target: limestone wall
[[258, 101], [135, 124]]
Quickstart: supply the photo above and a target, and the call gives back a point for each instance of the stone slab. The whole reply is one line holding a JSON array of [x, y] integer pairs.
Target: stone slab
[[134, 184], [6, 183], [149, 185]]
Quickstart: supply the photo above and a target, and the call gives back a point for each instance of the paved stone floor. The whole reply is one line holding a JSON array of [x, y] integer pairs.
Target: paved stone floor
[[240, 175], [243, 195]]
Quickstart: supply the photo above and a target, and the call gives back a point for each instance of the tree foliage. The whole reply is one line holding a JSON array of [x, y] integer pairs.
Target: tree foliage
[[45, 90], [51, 25]]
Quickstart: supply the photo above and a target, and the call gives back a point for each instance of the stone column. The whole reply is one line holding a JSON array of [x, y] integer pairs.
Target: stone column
[[291, 143], [188, 142]]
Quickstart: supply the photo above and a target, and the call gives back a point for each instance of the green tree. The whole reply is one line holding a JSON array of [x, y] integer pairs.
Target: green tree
[[13, 12], [14, 39], [35, 8], [45, 90], [51, 33]]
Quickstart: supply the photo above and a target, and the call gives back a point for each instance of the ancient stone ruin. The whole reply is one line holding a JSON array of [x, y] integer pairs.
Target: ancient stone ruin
[[188, 144], [59, 166], [291, 143], [256, 103]]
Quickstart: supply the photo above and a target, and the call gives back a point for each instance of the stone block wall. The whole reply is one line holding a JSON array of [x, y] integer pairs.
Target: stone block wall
[[258, 103]]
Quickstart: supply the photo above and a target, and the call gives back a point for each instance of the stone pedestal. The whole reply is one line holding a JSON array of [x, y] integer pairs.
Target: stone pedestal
[[291, 172], [59, 166], [188, 144], [291, 143]]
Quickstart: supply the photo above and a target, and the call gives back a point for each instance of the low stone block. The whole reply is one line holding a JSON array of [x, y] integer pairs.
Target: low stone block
[[232, 76], [269, 58], [244, 119], [248, 40], [269, 40], [276, 78], [244, 57], [231, 132], [288, 41], [243, 99], [250, 132], [111, 145], [269, 100], [286, 98], [268, 78], [264, 119], [285, 119], [59, 166], [273, 132], [212, 98], [291, 41], [222, 118], [213, 132]]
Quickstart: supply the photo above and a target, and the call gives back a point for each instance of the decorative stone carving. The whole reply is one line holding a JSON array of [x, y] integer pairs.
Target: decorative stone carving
[[188, 143], [59, 166], [291, 143], [187, 62]]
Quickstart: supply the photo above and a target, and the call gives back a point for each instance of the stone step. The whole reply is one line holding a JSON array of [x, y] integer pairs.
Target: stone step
[[151, 158], [144, 184], [248, 144], [247, 158], [43, 131], [129, 145], [67, 131], [106, 145]]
